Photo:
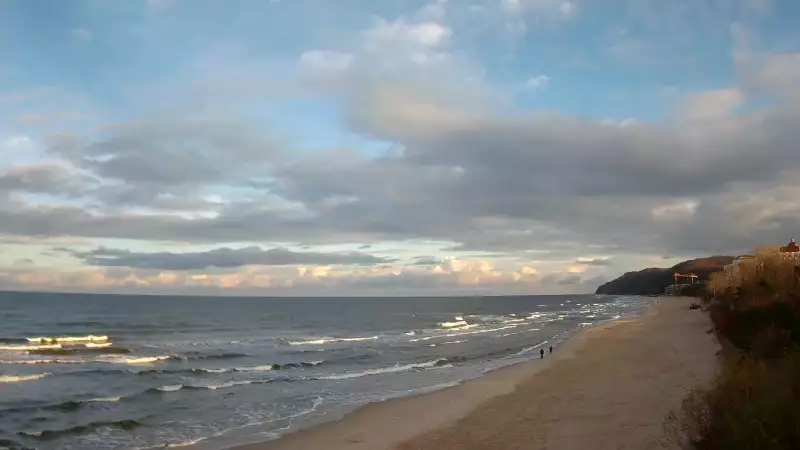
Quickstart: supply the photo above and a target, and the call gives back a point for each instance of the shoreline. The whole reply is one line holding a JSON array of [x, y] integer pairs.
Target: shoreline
[[387, 424], [496, 404]]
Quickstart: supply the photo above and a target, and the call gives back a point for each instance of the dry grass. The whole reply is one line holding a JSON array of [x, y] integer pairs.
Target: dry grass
[[754, 403]]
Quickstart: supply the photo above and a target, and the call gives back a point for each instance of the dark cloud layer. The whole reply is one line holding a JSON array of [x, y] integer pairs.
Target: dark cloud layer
[[220, 258], [594, 262]]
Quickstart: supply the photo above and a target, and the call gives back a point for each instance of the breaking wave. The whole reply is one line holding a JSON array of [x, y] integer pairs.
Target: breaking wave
[[28, 348], [527, 349], [438, 363], [67, 339], [212, 387], [21, 378], [40, 361], [47, 435], [330, 340], [201, 356], [85, 349], [134, 360], [262, 368]]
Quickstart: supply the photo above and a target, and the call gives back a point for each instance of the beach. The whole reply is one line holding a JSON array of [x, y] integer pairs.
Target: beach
[[608, 387]]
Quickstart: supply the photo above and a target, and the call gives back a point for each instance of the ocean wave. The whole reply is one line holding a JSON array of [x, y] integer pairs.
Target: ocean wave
[[262, 368], [47, 435], [134, 360], [86, 349], [330, 340], [104, 400], [518, 332], [21, 378], [74, 405], [497, 319], [98, 344], [64, 339], [41, 361], [527, 349], [12, 445], [488, 330], [28, 348], [448, 342], [440, 363], [458, 322], [201, 356], [169, 388], [211, 387]]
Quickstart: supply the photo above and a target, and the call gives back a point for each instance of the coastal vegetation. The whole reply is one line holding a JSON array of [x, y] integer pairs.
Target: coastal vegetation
[[753, 402]]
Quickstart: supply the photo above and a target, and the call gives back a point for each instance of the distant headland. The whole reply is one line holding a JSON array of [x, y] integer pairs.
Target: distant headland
[[654, 280]]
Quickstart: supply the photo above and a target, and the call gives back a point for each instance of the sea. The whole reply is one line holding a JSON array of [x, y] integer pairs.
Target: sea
[[94, 372]]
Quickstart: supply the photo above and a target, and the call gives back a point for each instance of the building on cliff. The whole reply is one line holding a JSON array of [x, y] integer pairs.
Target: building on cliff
[[789, 252]]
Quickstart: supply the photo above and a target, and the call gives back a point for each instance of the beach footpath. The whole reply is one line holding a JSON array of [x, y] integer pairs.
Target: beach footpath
[[608, 387]]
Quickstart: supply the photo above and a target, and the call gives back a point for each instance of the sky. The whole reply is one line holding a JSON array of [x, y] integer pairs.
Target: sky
[[355, 147]]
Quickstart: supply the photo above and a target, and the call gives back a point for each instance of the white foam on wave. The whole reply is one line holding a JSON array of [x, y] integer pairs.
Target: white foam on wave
[[98, 345], [41, 361], [392, 369], [514, 320], [224, 385], [116, 359], [105, 399], [527, 349], [63, 339], [170, 388], [518, 332], [448, 342], [216, 370], [331, 340], [21, 378], [211, 387], [274, 434], [25, 348], [266, 368], [184, 443], [459, 322], [489, 330]]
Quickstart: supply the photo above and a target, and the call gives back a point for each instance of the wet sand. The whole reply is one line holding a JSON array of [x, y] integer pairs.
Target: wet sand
[[608, 387]]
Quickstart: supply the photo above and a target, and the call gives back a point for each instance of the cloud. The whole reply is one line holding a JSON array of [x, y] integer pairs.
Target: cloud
[[399, 33], [220, 257], [58, 179], [81, 34], [711, 104], [160, 5], [428, 149], [593, 261], [762, 7], [570, 280], [450, 277], [326, 61], [464, 177], [537, 82], [560, 7]]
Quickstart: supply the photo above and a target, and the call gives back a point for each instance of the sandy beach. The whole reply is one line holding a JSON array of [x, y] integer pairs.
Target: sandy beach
[[608, 387]]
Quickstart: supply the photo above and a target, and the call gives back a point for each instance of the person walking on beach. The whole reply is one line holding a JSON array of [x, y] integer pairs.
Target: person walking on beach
[[551, 349], [541, 353]]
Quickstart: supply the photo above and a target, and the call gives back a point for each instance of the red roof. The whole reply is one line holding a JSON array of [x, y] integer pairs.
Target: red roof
[[792, 247]]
